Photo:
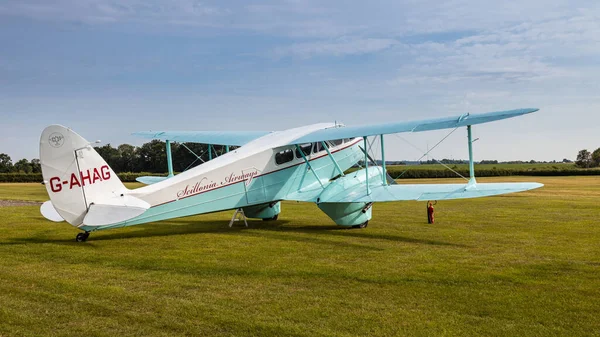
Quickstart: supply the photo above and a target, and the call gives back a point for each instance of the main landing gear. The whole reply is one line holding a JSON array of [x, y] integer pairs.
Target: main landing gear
[[271, 219], [81, 237], [362, 225]]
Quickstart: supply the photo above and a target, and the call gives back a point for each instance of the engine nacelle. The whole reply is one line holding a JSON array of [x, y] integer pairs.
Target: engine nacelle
[[347, 213]]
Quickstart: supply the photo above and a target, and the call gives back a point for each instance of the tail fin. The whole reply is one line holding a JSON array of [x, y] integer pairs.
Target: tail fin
[[82, 187]]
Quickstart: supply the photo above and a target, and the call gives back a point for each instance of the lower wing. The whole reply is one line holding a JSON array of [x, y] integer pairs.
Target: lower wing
[[421, 192]]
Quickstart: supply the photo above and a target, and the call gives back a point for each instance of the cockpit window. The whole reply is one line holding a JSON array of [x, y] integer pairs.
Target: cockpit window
[[317, 147], [306, 148], [284, 156]]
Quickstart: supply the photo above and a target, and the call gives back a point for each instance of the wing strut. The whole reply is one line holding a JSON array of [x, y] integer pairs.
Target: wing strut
[[308, 164], [332, 159], [472, 180], [383, 173], [169, 158], [366, 164]]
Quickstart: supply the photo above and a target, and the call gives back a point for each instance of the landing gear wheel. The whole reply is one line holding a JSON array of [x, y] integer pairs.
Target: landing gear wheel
[[82, 237], [362, 225], [271, 219]]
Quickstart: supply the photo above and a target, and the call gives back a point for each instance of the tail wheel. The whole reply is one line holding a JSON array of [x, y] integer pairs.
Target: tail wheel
[[82, 237]]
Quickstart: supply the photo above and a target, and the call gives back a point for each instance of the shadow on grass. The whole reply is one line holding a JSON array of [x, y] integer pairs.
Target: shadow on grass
[[41, 240], [280, 226], [364, 233], [165, 229], [266, 229], [257, 228], [161, 229]]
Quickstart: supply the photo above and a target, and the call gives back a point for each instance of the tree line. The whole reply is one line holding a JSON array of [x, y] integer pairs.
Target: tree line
[[488, 162], [150, 157], [587, 159], [23, 165]]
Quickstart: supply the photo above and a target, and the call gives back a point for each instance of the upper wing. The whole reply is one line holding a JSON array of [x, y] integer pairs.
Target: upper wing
[[237, 138], [422, 192], [413, 126]]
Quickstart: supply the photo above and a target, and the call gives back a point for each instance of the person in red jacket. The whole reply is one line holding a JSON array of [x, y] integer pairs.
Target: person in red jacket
[[430, 218]]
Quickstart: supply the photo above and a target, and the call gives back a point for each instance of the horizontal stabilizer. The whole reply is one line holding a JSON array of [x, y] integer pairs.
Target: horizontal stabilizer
[[149, 180], [237, 138], [50, 213], [423, 192], [113, 210]]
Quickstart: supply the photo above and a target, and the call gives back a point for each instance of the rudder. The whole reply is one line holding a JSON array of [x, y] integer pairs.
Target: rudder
[[78, 179]]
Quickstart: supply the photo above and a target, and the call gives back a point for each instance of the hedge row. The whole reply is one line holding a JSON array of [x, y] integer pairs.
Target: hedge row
[[126, 177], [399, 172], [396, 172]]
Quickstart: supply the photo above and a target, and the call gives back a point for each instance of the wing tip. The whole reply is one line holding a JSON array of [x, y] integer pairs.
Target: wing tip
[[529, 110]]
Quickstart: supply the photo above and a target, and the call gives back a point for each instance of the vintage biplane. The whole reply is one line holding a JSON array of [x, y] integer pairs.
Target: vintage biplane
[[302, 164]]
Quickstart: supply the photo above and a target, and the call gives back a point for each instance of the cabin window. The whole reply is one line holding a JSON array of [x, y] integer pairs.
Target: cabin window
[[317, 147], [306, 148], [284, 156], [336, 142], [347, 140]]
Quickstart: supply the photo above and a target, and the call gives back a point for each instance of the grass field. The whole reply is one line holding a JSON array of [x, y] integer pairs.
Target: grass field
[[526, 264]]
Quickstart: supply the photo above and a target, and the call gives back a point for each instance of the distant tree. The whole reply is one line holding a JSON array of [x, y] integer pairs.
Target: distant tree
[[565, 160], [596, 158], [488, 162], [110, 155], [444, 161], [23, 166], [584, 159], [5, 163], [127, 158], [152, 157], [35, 166]]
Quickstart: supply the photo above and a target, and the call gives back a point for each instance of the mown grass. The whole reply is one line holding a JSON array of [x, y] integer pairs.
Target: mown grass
[[525, 264]]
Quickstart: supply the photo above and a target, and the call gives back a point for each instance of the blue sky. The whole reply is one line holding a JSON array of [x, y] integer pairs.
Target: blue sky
[[107, 68]]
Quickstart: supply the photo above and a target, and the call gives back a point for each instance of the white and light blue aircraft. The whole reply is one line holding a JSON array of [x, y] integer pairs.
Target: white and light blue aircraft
[[302, 164]]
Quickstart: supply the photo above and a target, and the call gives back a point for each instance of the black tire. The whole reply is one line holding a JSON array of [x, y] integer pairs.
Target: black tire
[[82, 237], [362, 225], [271, 219]]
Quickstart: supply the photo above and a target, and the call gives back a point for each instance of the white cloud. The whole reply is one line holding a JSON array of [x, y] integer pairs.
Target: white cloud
[[527, 52], [111, 11], [338, 47], [308, 18]]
